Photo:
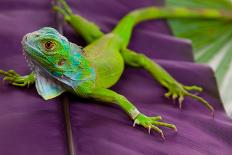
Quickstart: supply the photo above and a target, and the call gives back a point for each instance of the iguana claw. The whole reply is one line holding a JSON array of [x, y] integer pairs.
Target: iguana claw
[[15, 79], [180, 91], [151, 123]]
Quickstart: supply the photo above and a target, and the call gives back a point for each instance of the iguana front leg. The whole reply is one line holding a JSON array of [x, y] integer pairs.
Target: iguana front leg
[[109, 96], [17, 80], [175, 89], [88, 30]]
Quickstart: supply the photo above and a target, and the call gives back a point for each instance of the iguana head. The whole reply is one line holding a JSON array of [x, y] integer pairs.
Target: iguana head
[[56, 60]]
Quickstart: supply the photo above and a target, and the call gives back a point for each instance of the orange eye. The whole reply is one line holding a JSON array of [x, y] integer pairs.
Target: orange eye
[[49, 45]]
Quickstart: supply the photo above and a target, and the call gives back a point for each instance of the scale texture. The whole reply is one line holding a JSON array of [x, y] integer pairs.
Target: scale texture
[[30, 125]]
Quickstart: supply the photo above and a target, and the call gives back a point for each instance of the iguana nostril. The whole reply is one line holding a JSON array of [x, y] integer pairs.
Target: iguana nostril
[[36, 35]]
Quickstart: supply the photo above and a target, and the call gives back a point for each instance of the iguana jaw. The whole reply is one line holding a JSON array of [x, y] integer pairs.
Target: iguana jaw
[[32, 57]]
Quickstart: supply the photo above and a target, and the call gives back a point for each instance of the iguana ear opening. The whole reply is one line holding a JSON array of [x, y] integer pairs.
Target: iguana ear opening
[[47, 88]]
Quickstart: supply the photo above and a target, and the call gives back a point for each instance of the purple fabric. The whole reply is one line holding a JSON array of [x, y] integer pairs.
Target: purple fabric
[[29, 125]]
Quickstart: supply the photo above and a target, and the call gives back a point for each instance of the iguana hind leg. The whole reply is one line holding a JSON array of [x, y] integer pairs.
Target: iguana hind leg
[[175, 89], [17, 80]]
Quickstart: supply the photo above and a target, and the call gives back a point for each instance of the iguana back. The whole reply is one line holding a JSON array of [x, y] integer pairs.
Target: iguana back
[[104, 56]]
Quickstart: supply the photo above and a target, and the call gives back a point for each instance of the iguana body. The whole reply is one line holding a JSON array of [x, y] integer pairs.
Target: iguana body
[[59, 65]]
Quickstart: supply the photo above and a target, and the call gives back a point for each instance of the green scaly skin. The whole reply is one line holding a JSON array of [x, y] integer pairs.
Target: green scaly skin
[[107, 54]]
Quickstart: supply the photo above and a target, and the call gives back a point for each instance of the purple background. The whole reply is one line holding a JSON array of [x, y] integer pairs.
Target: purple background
[[29, 125]]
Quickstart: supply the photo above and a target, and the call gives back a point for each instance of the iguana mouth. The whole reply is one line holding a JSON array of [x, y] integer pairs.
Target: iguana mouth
[[28, 60]]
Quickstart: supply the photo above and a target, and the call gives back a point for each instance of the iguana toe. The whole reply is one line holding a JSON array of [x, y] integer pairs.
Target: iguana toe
[[152, 123]]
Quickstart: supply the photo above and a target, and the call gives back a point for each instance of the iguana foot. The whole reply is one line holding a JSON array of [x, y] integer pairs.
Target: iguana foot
[[64, 9], [179, 91], [152, 123], [15, 79]]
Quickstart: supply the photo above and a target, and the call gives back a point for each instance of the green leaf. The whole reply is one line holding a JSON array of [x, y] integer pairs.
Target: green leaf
[[211, 39]]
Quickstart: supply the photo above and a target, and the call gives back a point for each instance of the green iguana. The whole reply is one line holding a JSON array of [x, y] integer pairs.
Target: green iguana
[[59, 65]]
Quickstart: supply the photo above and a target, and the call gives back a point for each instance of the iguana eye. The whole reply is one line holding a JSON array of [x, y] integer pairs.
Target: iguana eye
[[49, 45]]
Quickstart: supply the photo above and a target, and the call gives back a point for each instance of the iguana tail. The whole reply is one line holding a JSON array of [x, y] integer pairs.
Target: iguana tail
[[127, 23]]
